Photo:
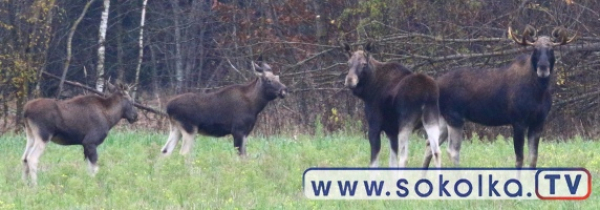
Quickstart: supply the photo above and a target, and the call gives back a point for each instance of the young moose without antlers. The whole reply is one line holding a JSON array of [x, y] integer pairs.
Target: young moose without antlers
[[83, 120], [517, 95], [396, 102], [228, 110]]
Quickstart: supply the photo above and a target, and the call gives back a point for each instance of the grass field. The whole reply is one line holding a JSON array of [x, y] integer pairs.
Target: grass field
[[134, 176]]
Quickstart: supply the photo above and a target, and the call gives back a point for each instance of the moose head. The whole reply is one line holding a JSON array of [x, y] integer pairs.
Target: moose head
[[120, 93], [542, 58], [271, 85]]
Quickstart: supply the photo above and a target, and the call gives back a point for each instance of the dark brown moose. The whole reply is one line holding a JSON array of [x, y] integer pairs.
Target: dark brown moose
[[82, 120], [228, 110], [518, 95], [396, 102]]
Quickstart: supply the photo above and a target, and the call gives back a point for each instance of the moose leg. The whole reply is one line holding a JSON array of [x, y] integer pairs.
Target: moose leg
[[89, 143], [443, 131], [454, 143], [519, 143], [433, 133], [188, 140], [403, 136], [91, 155], [34, 156], [30, 140], [533, 141], [443, 137], [393, 137], [239, 142], [174, 135], [428, 155], [375, 142]]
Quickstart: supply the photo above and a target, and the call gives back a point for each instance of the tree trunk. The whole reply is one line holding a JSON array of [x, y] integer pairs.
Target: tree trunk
[[155, 80], [101, 42], [202, 56], [178, 56], [141, 52], [120, 53], [321, 23], [69, 42]]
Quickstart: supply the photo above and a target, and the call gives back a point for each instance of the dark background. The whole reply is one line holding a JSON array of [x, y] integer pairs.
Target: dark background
[[211, 43]]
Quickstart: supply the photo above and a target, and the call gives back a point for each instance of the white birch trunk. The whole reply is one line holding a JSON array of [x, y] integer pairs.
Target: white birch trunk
[[101, 41], [178, 56], [141, 50]]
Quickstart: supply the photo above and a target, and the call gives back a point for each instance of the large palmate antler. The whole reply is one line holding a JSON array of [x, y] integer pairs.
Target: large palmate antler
[[560, 36], [528, 33]]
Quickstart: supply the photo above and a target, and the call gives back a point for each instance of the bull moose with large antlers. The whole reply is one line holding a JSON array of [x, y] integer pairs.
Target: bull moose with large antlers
[[228, 110], [396, 102], [518, 95], [83, 120]]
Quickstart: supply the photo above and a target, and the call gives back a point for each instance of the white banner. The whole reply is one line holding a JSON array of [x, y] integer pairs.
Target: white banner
[[447, 183]]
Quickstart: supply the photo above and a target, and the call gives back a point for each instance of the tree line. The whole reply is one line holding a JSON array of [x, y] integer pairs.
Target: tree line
[[167, 47]]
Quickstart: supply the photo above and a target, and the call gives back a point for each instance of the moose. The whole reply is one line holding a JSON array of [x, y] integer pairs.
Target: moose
[[397, 101], [228, 110], [517, 94], [83, 120]]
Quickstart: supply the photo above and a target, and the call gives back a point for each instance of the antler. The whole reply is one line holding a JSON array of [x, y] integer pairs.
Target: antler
[[275, 71], [131, 86], [346, 48], [560, 34], [527, 33]]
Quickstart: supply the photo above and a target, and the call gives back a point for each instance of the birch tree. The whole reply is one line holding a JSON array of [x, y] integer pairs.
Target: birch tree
[[141, 46], [101, 42]]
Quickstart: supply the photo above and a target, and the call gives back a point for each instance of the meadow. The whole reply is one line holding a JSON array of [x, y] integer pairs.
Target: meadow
[[133, 175]]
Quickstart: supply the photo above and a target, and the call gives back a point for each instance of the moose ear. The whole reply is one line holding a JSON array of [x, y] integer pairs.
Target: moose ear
[[257, 69], [266, 67], [110, 88]]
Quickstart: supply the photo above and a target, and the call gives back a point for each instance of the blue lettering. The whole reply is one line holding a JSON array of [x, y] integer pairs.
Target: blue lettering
[[443, 184], [519, 192], [552, 178], [321, 187], [374, 187], [403, 188], [419, 192], [492, 186], [573, 186], [468, 191], [480, 184], [347, 187]]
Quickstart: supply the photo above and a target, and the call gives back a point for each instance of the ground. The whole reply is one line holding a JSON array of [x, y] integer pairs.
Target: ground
[[134, 176]]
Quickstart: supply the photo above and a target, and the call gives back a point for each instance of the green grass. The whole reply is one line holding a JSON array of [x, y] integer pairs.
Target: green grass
[[133, 175]]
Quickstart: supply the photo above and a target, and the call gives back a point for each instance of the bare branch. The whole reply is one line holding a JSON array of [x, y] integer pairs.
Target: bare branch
[[234, 68], [563, 49], [93, 90], [577, 98], [310, 58], [69, 43]]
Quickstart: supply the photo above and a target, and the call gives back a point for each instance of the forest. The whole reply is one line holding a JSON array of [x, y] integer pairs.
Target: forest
[[167, 47]]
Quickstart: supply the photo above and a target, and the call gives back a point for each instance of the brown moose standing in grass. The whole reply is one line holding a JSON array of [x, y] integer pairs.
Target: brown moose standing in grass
[[517, 94], [229, 110], [82, 120], [396, 102]]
